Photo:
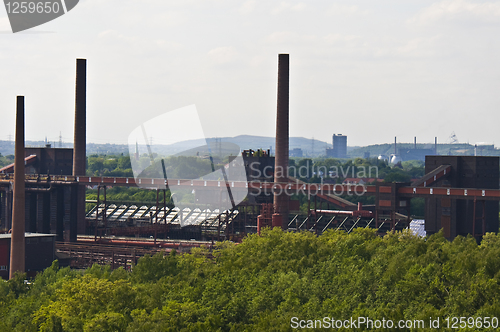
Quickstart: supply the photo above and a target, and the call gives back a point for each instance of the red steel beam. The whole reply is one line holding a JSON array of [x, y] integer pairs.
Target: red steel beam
[[430, 178], [312, 188], [455, 193]]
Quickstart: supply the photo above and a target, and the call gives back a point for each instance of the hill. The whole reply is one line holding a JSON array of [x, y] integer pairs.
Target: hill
[[310, 147], [243, 141]]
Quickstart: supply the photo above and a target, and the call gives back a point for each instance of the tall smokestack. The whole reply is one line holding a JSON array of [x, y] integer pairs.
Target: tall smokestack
[[282, 135], [18, 217], [395, 144], [80, 140], [435, 146], [415, 142]]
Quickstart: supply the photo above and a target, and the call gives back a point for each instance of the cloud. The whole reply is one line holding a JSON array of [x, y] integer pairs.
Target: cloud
[[284, 37], [223, 55], [337, 9], [286, 6], [458, 10], [247, 7], [420, 47], [337, 37]]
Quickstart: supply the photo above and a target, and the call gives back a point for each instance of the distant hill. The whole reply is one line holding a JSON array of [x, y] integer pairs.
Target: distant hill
[[243, 141], [261, 142], [7, 147], [246, 142]]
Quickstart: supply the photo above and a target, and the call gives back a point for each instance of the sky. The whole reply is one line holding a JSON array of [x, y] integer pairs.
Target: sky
[[371, 70]]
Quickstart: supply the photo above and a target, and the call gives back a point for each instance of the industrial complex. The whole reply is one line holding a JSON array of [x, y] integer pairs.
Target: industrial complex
[[43, 207]]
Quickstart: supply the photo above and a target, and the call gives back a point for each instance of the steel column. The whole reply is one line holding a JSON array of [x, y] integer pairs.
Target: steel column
[[97, 213]]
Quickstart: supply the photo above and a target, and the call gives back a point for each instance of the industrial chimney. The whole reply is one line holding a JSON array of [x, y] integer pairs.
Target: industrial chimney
[[80, 141], [280, 216], [17, 246]]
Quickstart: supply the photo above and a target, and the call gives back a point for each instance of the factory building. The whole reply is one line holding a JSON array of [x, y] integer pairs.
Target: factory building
[[461, 216], [39, 251]]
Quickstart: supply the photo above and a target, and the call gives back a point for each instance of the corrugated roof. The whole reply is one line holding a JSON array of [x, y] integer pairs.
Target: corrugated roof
[[417, 226]]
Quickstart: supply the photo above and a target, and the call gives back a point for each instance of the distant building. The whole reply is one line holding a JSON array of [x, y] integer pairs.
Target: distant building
[[415, 154], [297, 152], [339, 147], [481, 147]]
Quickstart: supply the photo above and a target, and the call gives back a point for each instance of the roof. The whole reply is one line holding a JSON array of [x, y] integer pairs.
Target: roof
[[122, 213], [29, 235], [27, 161]]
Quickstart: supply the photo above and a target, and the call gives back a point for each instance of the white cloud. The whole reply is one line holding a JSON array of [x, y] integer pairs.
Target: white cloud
[[284, 37], [419, 47], [247, 7], [338, 9], [222, 55], [337, 37], [450, 10], [286, 6]]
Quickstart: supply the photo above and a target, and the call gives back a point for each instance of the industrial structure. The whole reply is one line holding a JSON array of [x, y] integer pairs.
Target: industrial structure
[[460, 216], [39, 251], [17, 243], [415, 153], [46, 194], [282, 142]]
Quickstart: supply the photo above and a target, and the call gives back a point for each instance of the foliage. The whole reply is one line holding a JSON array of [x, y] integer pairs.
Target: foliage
[[332, 170], [260, 284], [127, 195], [102, 165], [6, 160]]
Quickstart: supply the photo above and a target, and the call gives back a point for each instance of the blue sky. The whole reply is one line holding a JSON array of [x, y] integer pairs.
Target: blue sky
[[370, 70]]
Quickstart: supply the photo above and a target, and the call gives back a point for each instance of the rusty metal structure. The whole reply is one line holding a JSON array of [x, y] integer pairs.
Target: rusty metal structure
[[119, 252], [392, 199], [454, 215]]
